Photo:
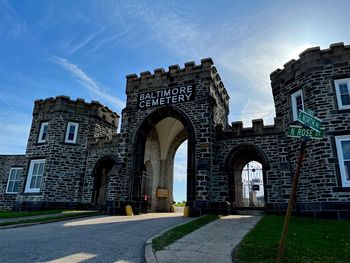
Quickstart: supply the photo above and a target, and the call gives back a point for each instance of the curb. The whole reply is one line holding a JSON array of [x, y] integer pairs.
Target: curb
[[150, 257], [48, 221]]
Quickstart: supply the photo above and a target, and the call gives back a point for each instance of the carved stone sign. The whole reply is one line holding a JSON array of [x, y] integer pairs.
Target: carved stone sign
[[166, 96]]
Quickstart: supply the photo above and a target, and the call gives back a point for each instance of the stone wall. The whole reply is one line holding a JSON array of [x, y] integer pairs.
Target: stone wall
[[6, 163], [211, 100], [267, 145], [320, 191], [152, 157], [99, 148], [215, 148], [65, 163]]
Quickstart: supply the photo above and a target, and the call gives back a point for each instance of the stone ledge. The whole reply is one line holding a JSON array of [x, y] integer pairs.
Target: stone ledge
[[173, 70], [78, 106], [258, 129]]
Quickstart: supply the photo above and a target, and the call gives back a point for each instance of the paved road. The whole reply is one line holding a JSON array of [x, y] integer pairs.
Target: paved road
[[97, 239]]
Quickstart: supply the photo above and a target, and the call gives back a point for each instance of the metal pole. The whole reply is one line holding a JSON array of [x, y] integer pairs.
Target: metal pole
[[248, 186], [282, 243]]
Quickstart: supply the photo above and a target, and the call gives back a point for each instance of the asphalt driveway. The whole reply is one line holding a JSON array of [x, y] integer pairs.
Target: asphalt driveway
[[94, 239]]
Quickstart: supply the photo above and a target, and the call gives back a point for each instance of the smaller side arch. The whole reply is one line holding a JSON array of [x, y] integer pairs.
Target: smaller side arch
[[109, 158], [100, 179], [235, 161], [249, 151]]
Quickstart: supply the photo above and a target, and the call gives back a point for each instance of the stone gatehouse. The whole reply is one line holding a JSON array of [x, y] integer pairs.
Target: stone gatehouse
[[75, 157]]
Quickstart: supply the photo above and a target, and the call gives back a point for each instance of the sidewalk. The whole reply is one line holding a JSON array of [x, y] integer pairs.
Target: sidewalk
[[211, 243]]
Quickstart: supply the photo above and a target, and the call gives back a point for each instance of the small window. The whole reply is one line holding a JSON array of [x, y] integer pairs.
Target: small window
[[35, 176], [343, 150], [43, 132], [72, 132], [297, 103], [14, 181], [342, 89]]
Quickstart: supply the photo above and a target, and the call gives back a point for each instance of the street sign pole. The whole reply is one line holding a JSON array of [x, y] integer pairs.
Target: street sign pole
[[282, 243]]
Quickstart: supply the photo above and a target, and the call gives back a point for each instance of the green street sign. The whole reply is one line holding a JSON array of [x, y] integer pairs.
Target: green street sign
[[300, 132], [310, 121]]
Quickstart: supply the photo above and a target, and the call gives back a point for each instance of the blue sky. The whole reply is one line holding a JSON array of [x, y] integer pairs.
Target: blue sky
[[86, 48]]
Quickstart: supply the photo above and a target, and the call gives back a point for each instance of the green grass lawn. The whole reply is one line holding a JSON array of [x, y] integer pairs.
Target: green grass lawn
[[178, 232], [309, 240], [6, 214], [180, 204]]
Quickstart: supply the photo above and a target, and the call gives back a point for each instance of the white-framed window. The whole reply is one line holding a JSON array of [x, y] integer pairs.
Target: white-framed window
[[35, 176], [297, 103], [13, 181], [71, 132], [343, 150], [342, 89], [43, 132]]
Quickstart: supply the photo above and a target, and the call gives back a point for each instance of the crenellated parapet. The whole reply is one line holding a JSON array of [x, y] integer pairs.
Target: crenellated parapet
[[78, 106], [258, 129], [219, 87], [310, 60], [175, 73]]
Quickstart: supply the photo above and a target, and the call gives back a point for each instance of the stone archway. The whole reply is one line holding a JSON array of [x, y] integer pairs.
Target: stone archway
[[100, 179], [165, 128], [237, 159]]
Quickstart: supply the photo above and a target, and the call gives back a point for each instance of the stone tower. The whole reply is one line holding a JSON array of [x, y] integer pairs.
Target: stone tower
[[162, 110], [57, 150]]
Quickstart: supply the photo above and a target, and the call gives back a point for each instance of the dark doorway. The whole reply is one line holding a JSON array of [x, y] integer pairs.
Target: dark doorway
[[100, 175]]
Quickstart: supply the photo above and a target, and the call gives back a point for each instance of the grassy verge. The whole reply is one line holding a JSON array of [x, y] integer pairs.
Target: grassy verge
[[178, 232], [6, 214], [50, 218], [309, 240], [181, 204]]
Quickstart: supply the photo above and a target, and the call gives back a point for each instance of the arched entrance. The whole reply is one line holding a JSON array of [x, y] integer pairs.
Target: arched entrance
[[155, 145], [246, 167], [100, 179]]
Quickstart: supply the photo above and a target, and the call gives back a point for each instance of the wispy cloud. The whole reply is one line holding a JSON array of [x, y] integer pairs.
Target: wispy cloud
[[87, 82], [123, 36], [171, 25], [11, 24], [253, 66], [72, 48], [234, 49], [241, 49], [255, 109], [17, 128]]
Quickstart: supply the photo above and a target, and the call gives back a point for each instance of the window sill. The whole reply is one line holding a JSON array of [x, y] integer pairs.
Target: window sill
[[32, 193], [340, 111], [71, 143], [11, 193], [341, 189]]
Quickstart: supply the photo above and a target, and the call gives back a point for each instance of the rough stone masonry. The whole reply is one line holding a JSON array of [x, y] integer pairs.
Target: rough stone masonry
[[101, 168]]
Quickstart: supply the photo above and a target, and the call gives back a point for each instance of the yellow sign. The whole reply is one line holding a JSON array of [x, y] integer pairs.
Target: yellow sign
[[162, 192]]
